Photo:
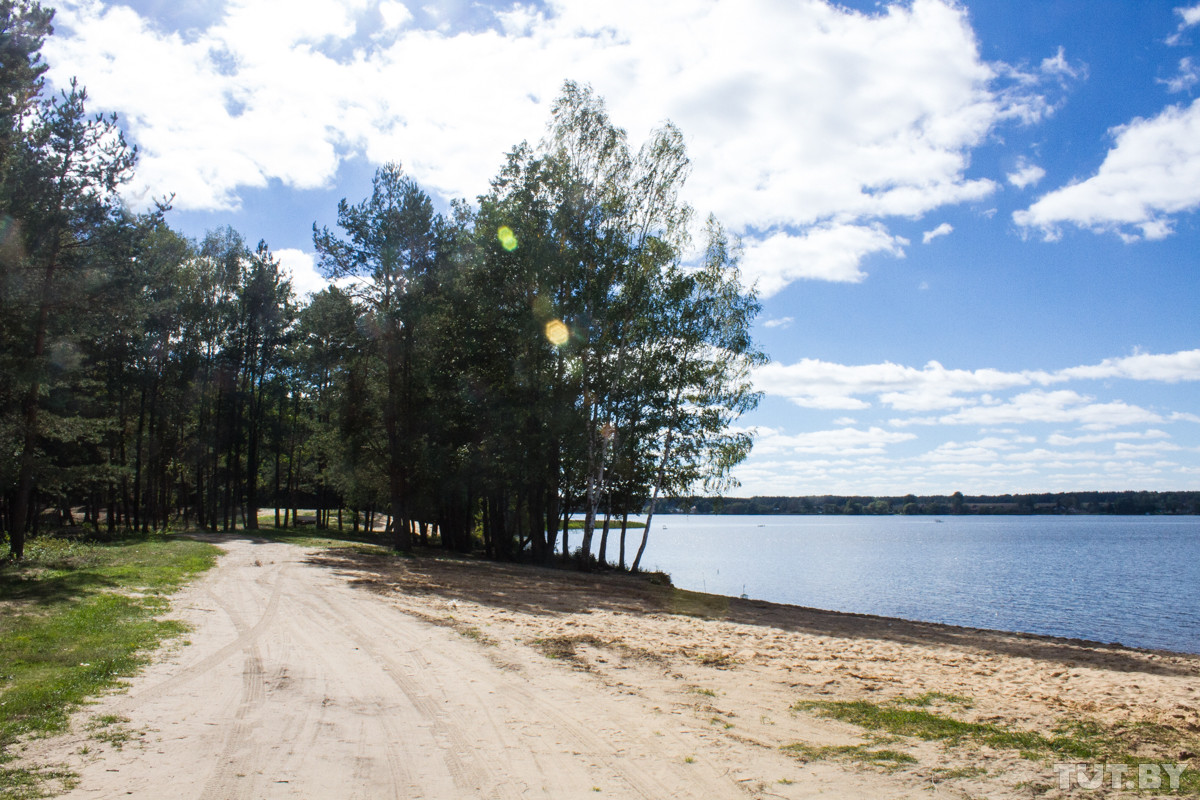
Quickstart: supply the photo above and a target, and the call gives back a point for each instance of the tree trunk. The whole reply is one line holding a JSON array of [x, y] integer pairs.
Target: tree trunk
[[624, 526], [603, 557], [30, 415]]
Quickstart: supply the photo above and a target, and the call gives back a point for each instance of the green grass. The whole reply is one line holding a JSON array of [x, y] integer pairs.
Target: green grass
[[309, 536], [76, 619], [929, 698], [110, 729], [900, 720], [1073, 740]]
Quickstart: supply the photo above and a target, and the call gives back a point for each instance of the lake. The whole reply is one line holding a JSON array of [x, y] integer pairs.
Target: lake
[[1133, 580]]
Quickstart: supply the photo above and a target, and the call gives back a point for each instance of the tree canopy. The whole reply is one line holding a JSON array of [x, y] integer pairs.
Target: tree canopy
[[472, 377]]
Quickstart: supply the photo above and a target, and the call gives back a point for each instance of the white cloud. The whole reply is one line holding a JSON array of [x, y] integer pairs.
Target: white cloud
[[842, 442], [1059, 66], [814, 383], [301, 269], [1059, 440], [1026, 174], [1190, 16], [945, 229], [1151, 173], [1058, 407], [1187, 77], [816, 124], [939, 397], [1127, 450], [395, 15], [1166, 367], [828, 253], [779, 322]]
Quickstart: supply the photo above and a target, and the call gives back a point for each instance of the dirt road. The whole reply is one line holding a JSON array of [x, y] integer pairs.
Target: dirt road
[[297, 684]]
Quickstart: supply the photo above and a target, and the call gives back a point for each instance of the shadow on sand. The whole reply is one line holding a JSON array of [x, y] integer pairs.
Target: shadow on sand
[[546, 591]]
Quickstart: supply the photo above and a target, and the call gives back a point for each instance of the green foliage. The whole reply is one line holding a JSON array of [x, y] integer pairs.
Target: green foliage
[[475, 379]]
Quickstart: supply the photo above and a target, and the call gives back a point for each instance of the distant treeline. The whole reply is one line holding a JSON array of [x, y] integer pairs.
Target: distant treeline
[[957, 503]]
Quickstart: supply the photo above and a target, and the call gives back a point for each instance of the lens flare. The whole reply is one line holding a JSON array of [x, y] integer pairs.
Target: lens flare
[[508, 239], [557, 333]]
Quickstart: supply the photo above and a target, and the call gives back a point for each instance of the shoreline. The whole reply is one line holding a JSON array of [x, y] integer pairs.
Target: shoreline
[[745, 666], [784, 609], [557, 683]]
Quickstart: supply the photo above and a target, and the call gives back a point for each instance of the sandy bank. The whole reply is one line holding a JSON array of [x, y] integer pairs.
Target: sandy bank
[[733, 669]]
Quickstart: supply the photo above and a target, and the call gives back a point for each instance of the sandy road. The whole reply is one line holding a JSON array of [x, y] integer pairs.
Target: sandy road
[[296, 684], [346, 674]]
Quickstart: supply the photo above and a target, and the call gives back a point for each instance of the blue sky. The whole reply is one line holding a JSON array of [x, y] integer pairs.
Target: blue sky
[[973, 225]]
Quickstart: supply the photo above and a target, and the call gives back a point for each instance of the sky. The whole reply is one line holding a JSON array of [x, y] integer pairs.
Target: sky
[[972, 225]]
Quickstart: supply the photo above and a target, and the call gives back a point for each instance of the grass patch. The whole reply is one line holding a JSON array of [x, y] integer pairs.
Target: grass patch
[[363, 541], [956, 773], [1130, 743], [717, 660], [901, 720], [690, 604], [861, 753], [79, 617], [474, 634], [27, 783], [563, 647], [930, 698], [111, 729], [614, 527]]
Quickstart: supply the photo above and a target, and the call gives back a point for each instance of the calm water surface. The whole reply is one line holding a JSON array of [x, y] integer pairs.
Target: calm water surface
[[1133, 580]]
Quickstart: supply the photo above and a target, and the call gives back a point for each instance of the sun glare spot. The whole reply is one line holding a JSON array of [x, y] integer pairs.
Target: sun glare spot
[[508, 239], [557, 333]]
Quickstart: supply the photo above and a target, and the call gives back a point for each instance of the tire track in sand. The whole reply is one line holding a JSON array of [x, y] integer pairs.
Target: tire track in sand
[[438, 657]]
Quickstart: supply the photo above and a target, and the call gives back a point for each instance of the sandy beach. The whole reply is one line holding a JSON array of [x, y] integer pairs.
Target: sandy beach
[[345, 673]]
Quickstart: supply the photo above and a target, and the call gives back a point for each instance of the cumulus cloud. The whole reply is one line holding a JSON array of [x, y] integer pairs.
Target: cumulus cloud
[[1059, 407], [816, 125], [828, 253], [301, 269], [1151, 174], [1026, 174], [1166, 367], [1190, 16], [945, 229], [1186, 78], [1060, 440], [843, 442], [973, 396], [814, 383], [779, 322]]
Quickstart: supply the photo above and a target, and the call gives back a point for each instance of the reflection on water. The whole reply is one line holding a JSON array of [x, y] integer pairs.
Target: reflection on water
[[1133, 580]]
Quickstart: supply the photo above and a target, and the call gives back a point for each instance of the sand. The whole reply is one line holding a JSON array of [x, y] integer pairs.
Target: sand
[[342, 674]]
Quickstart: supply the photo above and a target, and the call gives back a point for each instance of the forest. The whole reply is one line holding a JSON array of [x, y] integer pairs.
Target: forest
[[469, 378], [1125, 503]]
